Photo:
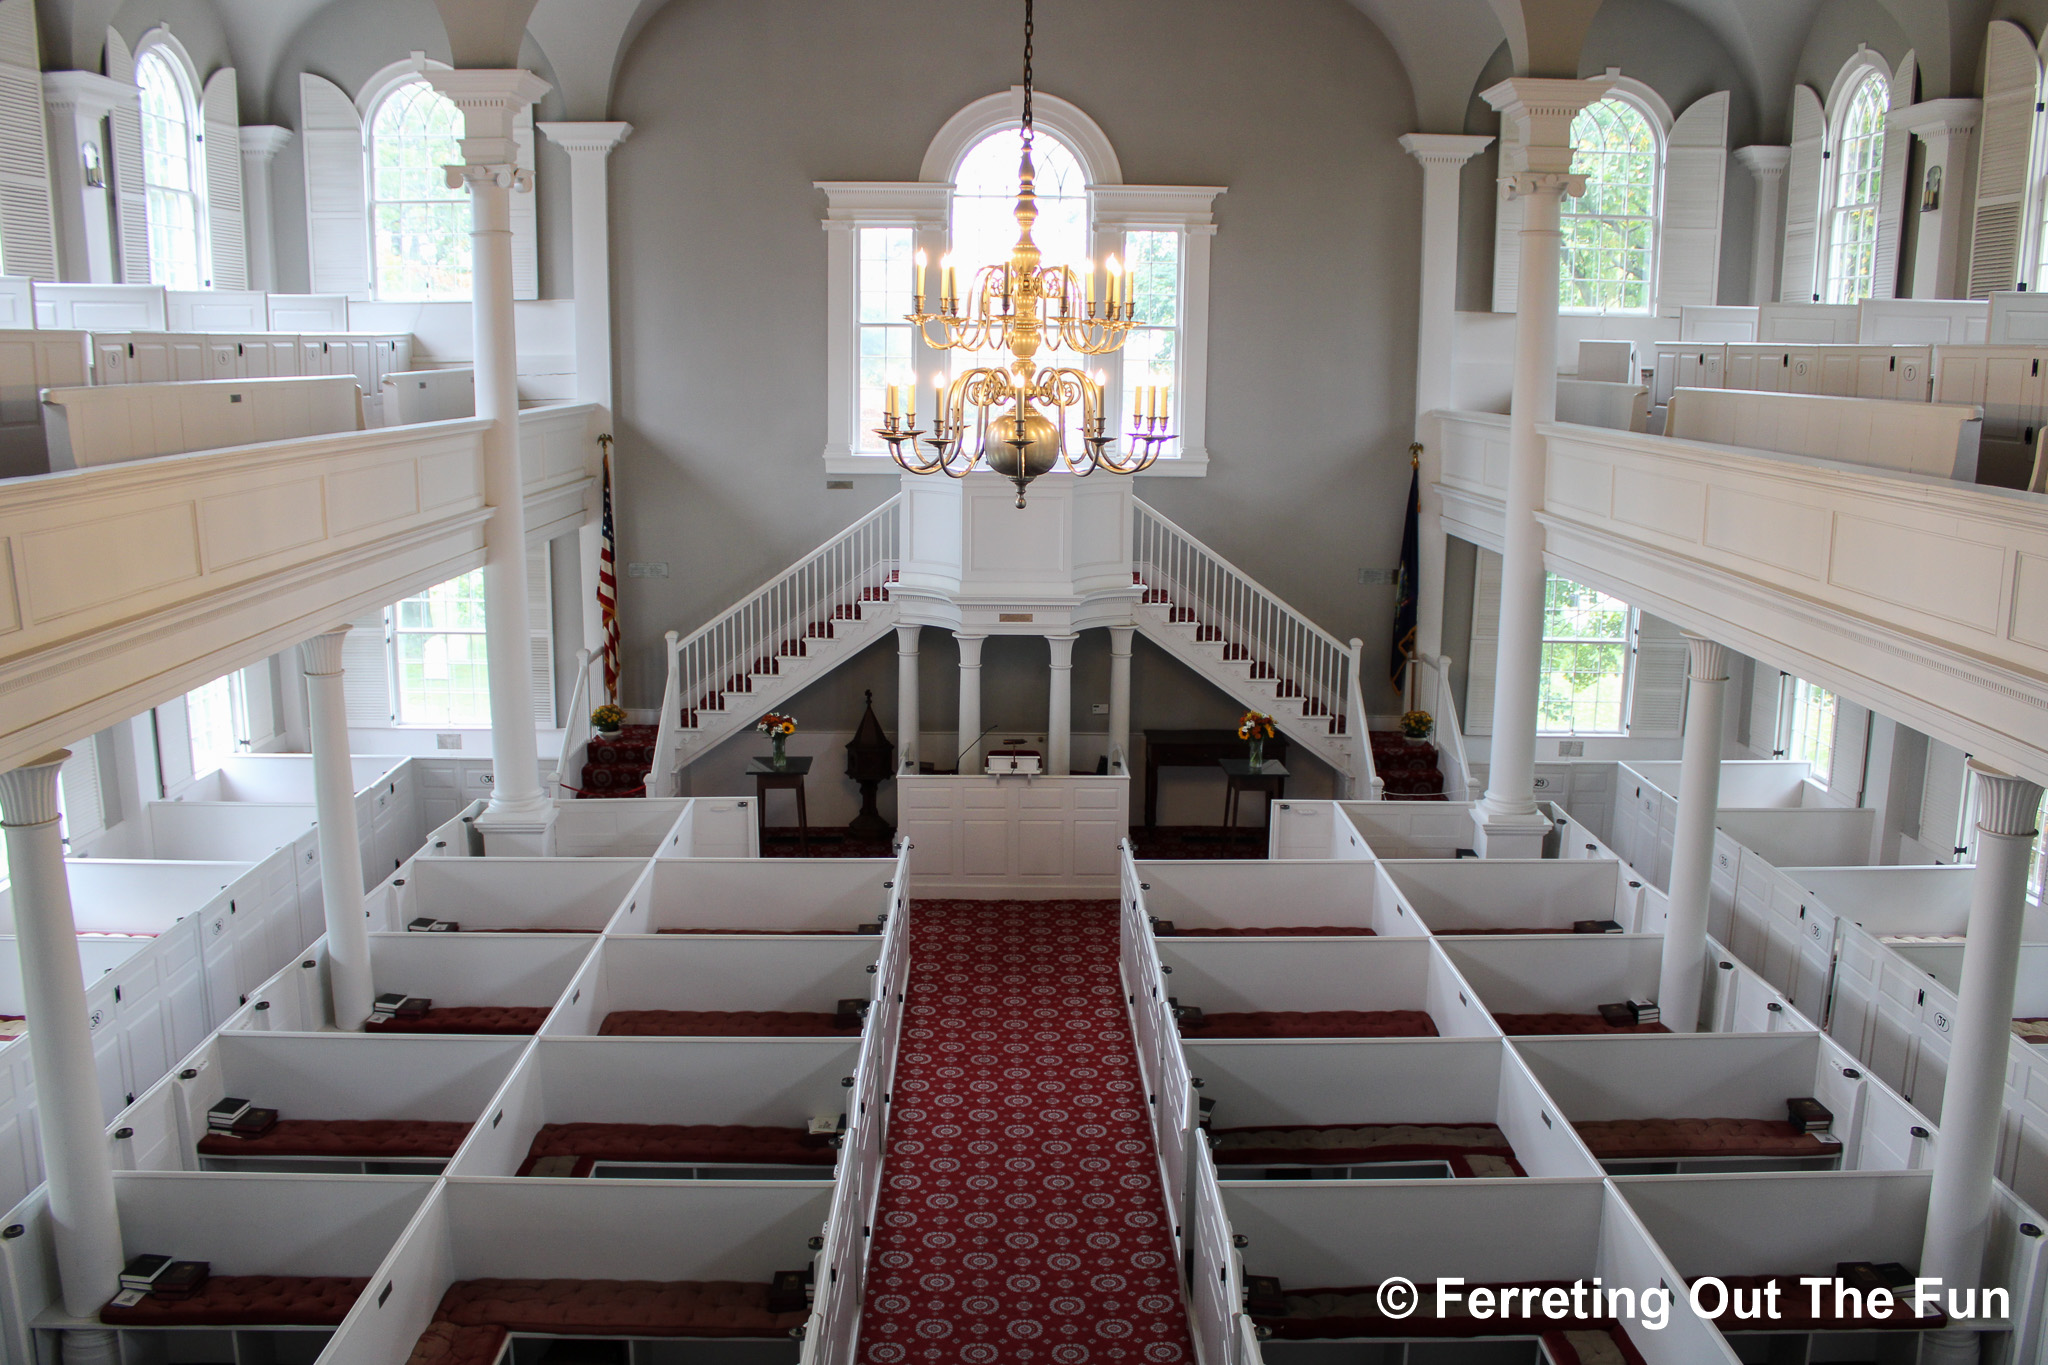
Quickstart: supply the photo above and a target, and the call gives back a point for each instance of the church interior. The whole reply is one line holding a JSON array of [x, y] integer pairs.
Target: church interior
[[1422, 632]]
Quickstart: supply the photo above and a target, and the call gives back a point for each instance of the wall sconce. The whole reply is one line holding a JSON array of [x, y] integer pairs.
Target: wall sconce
[[89, 161]]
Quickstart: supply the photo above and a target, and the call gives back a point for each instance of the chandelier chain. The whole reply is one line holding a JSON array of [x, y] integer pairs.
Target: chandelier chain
[[1029, 29]]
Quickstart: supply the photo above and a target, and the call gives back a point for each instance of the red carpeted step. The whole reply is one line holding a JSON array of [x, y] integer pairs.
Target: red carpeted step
[[1407, 766], [1020, 1203]]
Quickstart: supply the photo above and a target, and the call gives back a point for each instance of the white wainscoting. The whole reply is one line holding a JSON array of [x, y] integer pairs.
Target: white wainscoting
[[1035, 838]]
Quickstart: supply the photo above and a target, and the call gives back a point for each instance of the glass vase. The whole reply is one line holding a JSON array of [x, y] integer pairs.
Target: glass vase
[[1257, 757], [778, 759]]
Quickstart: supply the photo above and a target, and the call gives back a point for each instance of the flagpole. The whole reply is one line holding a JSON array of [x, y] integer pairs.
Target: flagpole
[[608, 580]]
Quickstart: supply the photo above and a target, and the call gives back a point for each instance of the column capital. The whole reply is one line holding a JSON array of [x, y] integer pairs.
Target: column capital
[[88, 91], [1120, 640], [28, 794], [1444, 149], [265, 140], [1061, 647], [586, 138], [1707, 659], [1937, 117], [490, 100], [321, 655], [1545, 107], [1765, 163], [2005, 804], [1529, 184]]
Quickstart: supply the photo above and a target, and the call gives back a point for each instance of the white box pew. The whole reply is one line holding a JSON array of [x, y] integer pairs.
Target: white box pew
[[1411, 829], [150, 357], [1679, 365], [1905, 902], [1710, 322], [101, 307], [1773, 923], [1939, 440], [1593, 403], [714, 827], [1834, 836], [614, 829], [217, 310], [308, 312], [1316, 1235], [1734, 998], [428, 396], [1898, 373], [1803, 1225], [512, 895], [521, 970], [1544, 974], [1409, 1081], [757, 1082], [1198, 897], [2009, 381], [114, 425], [1836, 323], [763, 895], [318, 1077], [389, 809], [1937, 322], [1312, 829], [17, 302], [685, 972], [1499, 895], [1712, 1076], [1746, 783], [235, 831], [282, 777], [680, 1230], [29, 363], [1257, 975], [257, 355]]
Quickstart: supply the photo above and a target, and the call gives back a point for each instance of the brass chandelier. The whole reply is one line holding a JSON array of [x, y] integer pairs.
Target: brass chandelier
[[1018, 307]]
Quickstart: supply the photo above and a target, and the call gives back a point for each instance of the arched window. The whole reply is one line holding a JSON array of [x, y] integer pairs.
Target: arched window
[[419, 227], [171, 173], [1858, 163], [1609, 258], [984, 226]]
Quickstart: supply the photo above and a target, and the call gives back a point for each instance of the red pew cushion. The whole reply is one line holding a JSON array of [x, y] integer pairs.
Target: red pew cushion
[[1279, 931], [513, 1019], [1702, 1137], [1518, 929], [679, 1142], [724, 1024], [247, 1300], [1314, 1024], [447, 1343], [1592, 1347], [1472, 1149], [1795, 1303], [1515, 1025], [640, 1308], [804, 933], [367, 1138], [1353, 1311]]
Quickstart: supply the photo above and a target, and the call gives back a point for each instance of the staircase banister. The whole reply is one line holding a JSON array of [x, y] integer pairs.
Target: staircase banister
[[1447, 722], [668, 723], [576, 732], [1144, 508], [894, 501], [1358, 721]]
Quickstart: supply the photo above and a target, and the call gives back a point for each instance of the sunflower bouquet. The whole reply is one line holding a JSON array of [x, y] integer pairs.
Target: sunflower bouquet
[[1256, 727], [778, 728]]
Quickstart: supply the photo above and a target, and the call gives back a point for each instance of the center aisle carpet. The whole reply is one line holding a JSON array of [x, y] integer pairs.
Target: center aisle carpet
[[1021, 1218]]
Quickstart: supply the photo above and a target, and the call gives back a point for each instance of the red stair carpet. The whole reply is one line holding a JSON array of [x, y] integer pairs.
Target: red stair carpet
[[1407, 766], [618, 766], [1021, 1220]]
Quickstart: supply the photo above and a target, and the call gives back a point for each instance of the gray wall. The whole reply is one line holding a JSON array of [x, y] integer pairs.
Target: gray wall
[[1838, 26], [739, 105]]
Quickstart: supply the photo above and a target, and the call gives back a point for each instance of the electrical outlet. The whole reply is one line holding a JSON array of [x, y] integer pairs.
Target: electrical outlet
[[1376, 577], [1100, 708], [838, 485], [656, 569], [447, 741]]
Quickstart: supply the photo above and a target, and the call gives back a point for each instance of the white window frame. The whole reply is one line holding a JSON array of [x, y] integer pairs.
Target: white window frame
[[1658, 115], [1865, 65], [924, 205], [161, 44], [370, 102], [1789, 713], [1627, 643]]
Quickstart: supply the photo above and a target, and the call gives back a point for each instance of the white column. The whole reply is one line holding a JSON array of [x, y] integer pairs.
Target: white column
[[968, 745], [1059, 711], [1973, 1102], [907, 717], [1508, 823], [520, 816], [77, 102], [76, 1158], [1692, 849], [1120, 689], [1443, 155], [260, 145], [1947, 129], [1768, 165], [341, 852]]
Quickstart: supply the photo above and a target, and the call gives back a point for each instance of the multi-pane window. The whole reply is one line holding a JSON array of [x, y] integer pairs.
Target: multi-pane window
[[1609, 258], [887, 265], [2037, 869], [1584, 686], [1858, 163], [1151, 352], [438, 638], [419, 226], [170, 173], [216, 722], [1807, 726]]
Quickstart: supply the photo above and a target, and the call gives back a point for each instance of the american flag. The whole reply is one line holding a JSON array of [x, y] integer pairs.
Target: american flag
[[608, 583]]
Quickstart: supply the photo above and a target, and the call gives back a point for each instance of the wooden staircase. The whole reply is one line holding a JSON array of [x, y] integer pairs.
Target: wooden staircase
[[1407, 766]]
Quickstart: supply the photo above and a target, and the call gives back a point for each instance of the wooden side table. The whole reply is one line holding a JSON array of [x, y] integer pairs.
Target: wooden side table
[[790, 777], [1239, 776]]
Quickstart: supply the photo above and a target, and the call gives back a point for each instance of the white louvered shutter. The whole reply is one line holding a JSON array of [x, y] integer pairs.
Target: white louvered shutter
[[1941, 800], [131, 195], [1798, 272], [337, 201], [366, 671], [525, 216], [85, 814], [1695, 182], [2005, 144], [1766, 694], [540, 618], [1656, 708], [28, 229], [261, 706], [226, 233], [1507, 218], [1891, 188], [1485, 644]]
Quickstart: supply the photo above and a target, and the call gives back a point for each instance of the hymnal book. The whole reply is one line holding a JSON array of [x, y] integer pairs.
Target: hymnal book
[[851, 1013], [1646, 1011], [445, 926], [1810, 1114], [1621, 1015], [222, 1114], [1206, 1109], [789, 1291], [182, 1279], [874, 928], [825, 1125], [1187, 1016], [1163, 927], [1864, 1276], [1263, 1296], [1596, 926], [128, 1298], [142, 1271], [388, 1002], [255, 1123], [564, 1165], [413, 1006], [421, 925]]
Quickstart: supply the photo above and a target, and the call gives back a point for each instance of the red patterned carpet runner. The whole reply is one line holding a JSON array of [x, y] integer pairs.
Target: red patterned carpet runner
[[1021, 1219]]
